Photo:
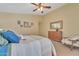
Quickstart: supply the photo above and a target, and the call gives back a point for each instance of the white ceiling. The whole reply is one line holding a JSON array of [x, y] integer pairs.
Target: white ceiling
[[26, 8]]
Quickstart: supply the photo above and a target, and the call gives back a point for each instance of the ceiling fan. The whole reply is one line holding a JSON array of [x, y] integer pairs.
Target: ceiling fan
[[40, 7]]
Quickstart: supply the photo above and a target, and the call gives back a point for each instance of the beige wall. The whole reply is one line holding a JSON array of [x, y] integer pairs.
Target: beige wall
[[70, 16], [68, 13], [9, 21]]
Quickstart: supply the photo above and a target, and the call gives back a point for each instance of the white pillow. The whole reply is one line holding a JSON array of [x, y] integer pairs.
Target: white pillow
[[26, 37]]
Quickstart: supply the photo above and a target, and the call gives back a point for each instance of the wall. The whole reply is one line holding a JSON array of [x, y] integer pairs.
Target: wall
[[70, 16], [68, 13], [9, 21]]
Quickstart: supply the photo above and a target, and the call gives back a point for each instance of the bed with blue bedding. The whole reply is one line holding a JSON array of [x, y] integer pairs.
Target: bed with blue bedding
[[29, 45], [6, 38], [5, 50]]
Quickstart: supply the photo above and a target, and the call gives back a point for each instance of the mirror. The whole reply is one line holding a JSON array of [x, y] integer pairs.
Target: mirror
[[56, 25]]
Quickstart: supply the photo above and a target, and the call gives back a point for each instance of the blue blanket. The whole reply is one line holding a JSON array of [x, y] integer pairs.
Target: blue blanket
[[5, 50]]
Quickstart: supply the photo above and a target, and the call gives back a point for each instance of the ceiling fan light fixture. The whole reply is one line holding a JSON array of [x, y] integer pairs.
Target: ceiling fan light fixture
[[40, 7]]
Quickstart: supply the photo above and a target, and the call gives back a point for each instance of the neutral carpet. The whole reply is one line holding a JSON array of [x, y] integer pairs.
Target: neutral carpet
[[64, 50]]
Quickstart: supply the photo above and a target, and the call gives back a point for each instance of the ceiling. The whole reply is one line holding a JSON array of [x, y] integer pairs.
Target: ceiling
[[27, 8]]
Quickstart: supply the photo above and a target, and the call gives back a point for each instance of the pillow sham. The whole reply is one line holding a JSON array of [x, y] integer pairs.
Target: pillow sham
[[3, 41], [11, 37]]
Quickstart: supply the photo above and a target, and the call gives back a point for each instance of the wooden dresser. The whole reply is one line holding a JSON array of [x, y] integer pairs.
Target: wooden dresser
[[55, 35]]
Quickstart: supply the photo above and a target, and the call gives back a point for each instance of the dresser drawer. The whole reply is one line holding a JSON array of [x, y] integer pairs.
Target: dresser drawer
[[55, 35]]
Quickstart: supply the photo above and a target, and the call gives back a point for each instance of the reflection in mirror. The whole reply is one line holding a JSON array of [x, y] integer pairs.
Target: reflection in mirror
[[56, 25]]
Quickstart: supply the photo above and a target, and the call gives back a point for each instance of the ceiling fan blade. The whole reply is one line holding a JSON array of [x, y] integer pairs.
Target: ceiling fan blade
[[47, 6], [34, 9], [34, 4], [39, 5]]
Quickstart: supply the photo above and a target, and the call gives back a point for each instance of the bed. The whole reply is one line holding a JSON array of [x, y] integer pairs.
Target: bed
[[33, 46], [29, 45]]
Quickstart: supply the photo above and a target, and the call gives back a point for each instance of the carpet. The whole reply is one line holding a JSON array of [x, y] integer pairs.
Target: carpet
[[64, 50]]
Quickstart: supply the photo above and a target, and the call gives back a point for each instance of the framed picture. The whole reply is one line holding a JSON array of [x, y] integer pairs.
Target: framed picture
[[18, 22], [56, 25], [26, 24]]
